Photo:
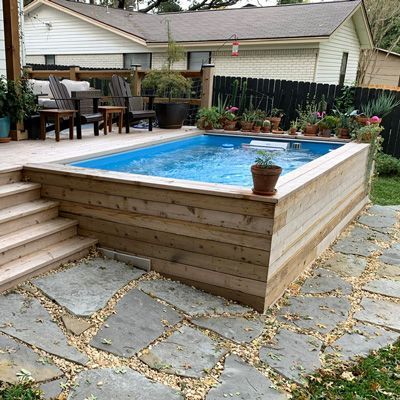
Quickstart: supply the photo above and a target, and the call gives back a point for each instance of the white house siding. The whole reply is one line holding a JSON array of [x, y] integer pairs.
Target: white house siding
[[49, 31], [290, 64], [2, 48], [345, 39]]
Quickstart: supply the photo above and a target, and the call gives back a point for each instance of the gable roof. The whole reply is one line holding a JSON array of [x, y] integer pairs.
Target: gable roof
[[298, 21]]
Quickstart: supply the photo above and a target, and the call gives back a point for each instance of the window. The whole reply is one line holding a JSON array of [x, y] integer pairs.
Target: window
[[50, 60], [197, 58], [143, 59], [343, 68]]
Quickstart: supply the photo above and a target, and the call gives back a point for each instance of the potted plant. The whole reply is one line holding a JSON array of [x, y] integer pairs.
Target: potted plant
[[247, 121], [368, 133], [326, 125], [380, 107], [309, 117], [275, 118], [311, 125], [293, 127], [265, 174], [257, 125], [344, 124], [230, 121], [170, 84], [266, 128], [4, 112], [208, 118]]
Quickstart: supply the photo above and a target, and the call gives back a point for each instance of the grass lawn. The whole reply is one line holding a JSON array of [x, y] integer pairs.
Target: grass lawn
[[375, 377], [386, 190]]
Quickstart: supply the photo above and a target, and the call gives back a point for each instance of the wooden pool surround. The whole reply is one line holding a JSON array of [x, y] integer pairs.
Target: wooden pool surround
[[219, 238]]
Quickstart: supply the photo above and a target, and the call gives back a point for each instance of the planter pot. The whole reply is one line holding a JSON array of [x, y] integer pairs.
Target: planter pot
[[275, 121], [264, 179], [32, 125], [325, 132], [292, 131], [247, 126], [343, 133], [256, 129], [266, 129], [362, 120], [171, 115], [230, 126], [4, 127], [311, 130]]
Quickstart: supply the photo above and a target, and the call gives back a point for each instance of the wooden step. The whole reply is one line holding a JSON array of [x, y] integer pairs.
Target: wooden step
[[44, 260], [26, 214], [28, 240], [10, 175], [17, 193]]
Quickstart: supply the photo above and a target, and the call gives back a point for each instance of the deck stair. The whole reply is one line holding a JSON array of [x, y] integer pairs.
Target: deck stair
[[33, 238]]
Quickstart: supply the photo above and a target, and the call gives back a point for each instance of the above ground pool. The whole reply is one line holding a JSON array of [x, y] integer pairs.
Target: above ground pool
[[210, 158]]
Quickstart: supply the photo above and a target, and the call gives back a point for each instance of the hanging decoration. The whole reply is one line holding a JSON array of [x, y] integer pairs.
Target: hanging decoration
[[235, 47]]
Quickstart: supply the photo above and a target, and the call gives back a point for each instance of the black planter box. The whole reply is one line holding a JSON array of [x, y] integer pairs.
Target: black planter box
[[32, 125]]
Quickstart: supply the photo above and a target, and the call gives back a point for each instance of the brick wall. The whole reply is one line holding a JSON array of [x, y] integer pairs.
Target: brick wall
[[159, 59], [34, 60], [289, 64]]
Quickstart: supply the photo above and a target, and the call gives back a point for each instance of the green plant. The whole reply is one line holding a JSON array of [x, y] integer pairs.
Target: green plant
[[308, 114], [276, 113], [264, 159], [294, 124], [16, 99], [21, 391], [344, 120], [267, 123], [368, 134], [345, 100], [166, 82], [380, 106], [387, 165], [249, 116], [230, 116], [328, 122], [258, 122], [210, 117]]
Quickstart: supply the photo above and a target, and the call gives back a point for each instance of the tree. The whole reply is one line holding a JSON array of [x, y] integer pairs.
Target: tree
[[384, 19], [169, 6]]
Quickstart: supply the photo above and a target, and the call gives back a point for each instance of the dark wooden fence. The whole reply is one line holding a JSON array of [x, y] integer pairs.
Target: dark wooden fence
[[266, 94]]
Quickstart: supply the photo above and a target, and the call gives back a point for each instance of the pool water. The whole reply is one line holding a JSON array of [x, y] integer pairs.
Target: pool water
[[206, 158]]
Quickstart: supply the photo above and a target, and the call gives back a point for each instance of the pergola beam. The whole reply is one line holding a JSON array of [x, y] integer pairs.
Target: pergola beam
[[11, 39]]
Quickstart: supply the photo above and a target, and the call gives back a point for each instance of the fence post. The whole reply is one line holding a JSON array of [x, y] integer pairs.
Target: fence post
[[207, 81], [137, 82], [73, 73]]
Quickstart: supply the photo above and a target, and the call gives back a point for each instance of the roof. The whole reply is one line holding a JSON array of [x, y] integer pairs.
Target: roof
[[392, 53], [251, 23]]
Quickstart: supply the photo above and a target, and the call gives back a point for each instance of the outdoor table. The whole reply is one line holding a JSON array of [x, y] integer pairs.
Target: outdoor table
[[56, 115], [108, 112]]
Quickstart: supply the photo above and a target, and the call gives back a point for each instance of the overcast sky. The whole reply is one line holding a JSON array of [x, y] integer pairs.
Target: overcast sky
[[241, 3]]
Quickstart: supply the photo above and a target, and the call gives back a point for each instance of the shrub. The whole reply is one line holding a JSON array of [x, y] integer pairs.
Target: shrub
[[387, 165], [20, 391]]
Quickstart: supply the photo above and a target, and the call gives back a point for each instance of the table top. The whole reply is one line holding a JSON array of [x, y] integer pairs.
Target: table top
[[57, 111], [110, 108]]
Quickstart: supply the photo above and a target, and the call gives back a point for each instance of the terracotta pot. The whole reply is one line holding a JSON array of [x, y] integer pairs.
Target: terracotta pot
[[311, 130], [208, 126], [275, 121], [256, 129], [230, 126], [247, 126], [265, 179], [325, 132], [292, 131], [343, 133], [266, 129], [362, 120]]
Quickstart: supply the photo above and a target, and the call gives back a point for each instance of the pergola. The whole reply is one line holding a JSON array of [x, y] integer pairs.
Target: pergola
[[11, 38]]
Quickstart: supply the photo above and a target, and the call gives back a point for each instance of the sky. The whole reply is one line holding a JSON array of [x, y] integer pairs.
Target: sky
[[241, 3]]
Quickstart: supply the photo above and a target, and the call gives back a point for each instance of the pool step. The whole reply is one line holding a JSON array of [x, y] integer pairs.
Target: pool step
[[17, 193], [27, 214], [28, 240], [33, 238], [44, 260]]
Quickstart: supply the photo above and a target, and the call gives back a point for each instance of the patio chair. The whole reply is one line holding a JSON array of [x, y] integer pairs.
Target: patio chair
[[134, 105], [85, 103]]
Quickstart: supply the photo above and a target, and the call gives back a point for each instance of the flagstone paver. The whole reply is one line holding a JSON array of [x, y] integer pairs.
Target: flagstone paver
[[381, 220], [27, 320], [292, 354], [238, 329], [87, 287], [187, 352], [362, 248], [189, 300], [137, 322], [391, 272], [15, 357], [321, 314], [379, 312], [348, 265], [384, 211], [359, 233], [361, 341], [75, 325], [325, 281], [107, 384], [385, 287], [51, 390], [391, 256], [240, 380]]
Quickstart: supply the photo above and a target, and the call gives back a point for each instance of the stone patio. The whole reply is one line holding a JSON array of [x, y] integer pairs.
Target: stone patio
[[102, 329]]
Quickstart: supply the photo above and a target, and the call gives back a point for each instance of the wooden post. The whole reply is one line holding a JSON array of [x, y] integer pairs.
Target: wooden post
[[137, 83], [11, 39], [73, 73], [207, 81]]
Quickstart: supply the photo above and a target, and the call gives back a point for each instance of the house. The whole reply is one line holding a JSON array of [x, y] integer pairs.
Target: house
[[383, 69], [318, 42]]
